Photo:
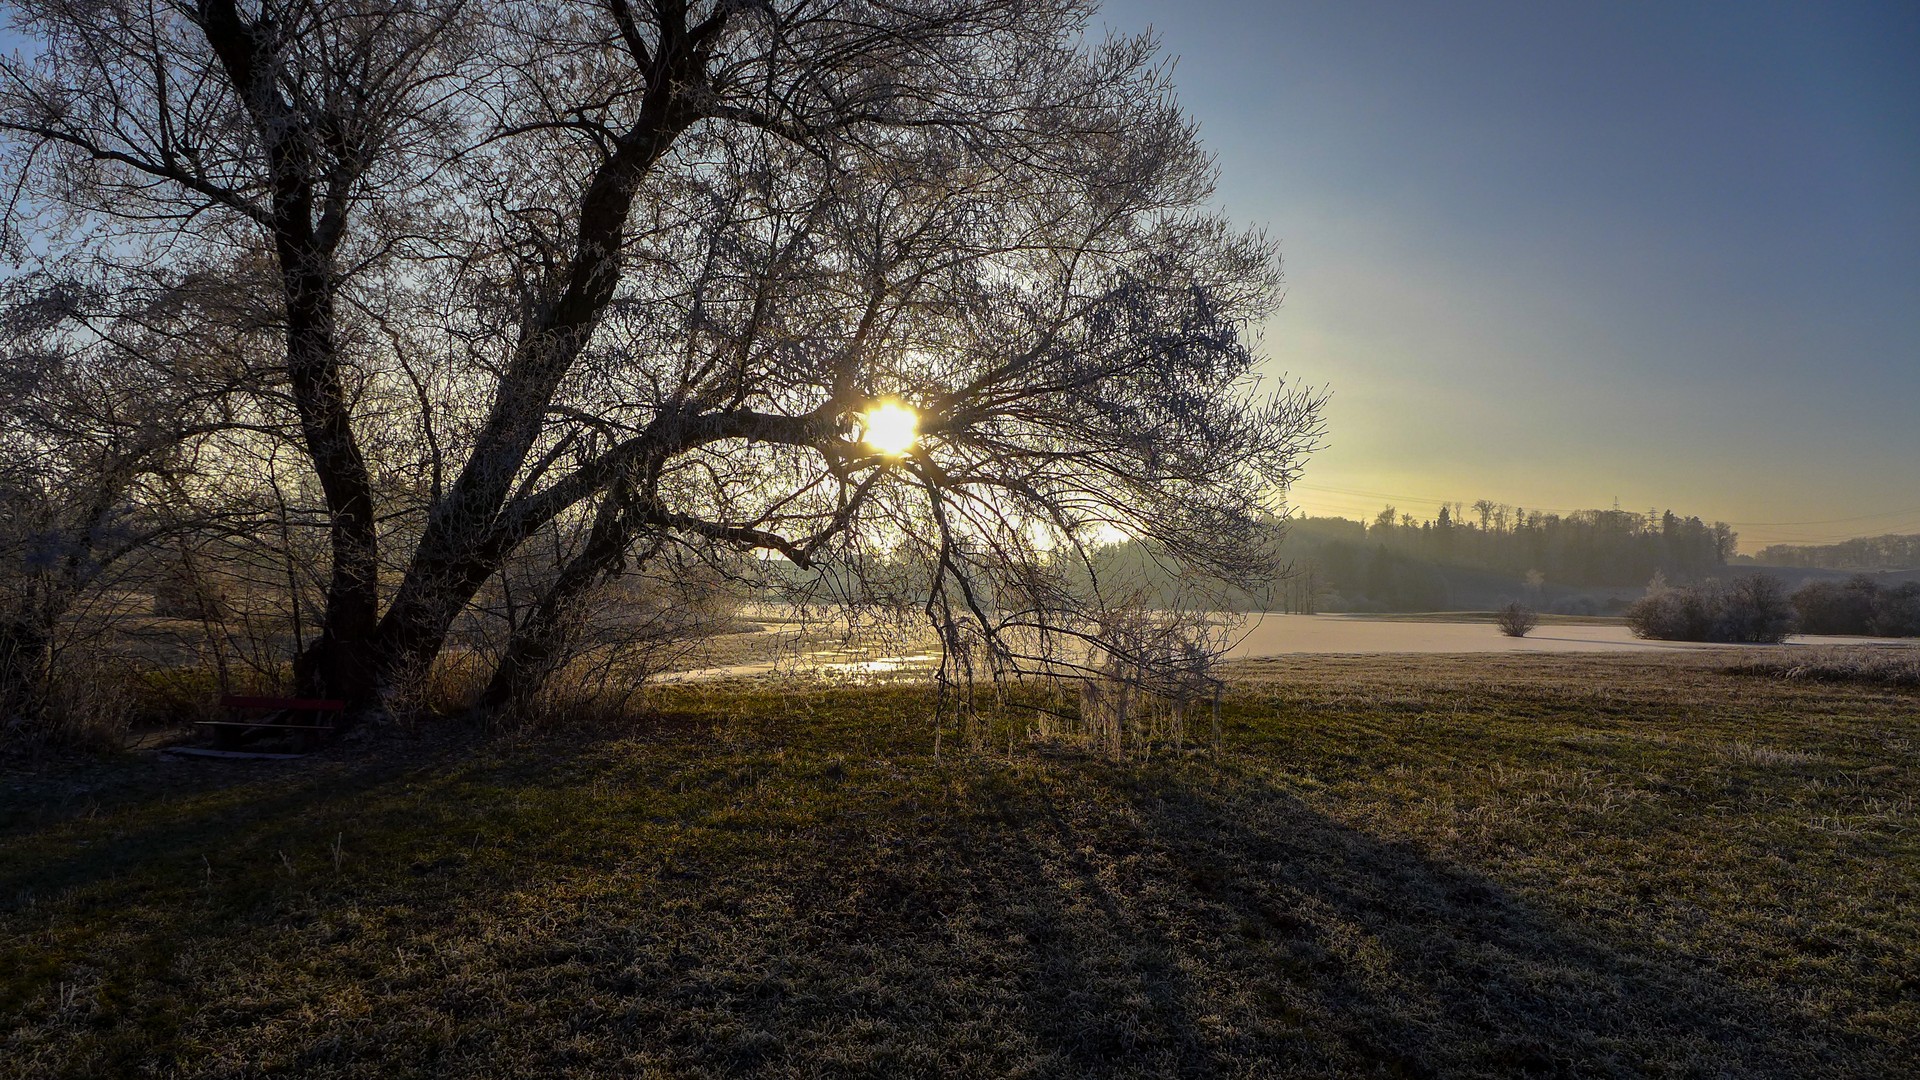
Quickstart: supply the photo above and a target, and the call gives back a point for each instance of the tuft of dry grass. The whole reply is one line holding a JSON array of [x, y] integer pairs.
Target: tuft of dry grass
[[1416, 866], [1884, 666], [93, 701]]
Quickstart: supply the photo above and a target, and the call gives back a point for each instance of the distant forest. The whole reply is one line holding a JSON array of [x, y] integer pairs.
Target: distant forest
[[1467, 555], [1475, 557], [1890, 552]]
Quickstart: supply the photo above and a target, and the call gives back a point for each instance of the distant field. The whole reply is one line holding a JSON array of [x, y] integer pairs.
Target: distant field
[[1465, 632], [1609, 865], [1547, 618]]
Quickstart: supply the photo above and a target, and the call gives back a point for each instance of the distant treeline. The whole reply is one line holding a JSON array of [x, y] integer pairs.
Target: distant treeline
[[1890, 552], [1468, 557], [1396, 562]]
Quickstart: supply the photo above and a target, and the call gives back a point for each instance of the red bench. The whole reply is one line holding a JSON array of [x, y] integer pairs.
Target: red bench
[[280, 714]]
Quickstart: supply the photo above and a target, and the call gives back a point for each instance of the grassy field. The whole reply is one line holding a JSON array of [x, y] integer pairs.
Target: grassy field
[[1428, 866]]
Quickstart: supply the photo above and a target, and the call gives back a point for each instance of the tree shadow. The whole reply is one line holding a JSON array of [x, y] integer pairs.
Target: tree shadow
[[89, 820], [1057, 918], [1260, 937]]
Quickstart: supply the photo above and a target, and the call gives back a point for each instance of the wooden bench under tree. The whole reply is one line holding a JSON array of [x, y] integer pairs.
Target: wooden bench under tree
[[311, 719]]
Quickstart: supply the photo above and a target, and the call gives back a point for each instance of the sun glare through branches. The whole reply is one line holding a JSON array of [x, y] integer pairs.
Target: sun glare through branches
[[891, 428]]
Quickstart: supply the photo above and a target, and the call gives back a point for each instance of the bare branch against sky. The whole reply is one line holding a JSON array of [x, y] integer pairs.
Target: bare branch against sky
[[615, 281]]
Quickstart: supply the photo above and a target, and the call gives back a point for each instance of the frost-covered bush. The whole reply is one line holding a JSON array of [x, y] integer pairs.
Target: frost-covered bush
[[1751, 610]]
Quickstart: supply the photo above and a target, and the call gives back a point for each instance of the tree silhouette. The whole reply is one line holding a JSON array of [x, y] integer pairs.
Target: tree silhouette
[[625, 275]]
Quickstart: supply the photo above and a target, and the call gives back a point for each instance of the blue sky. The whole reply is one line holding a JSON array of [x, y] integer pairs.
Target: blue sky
[[1554, 254]]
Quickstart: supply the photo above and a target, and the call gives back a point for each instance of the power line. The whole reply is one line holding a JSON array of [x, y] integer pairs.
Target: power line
[[1416, 500], [1828, 521]]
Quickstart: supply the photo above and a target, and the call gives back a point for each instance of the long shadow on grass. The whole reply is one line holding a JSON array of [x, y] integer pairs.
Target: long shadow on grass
[[1236, 927], [206, 817], [1059, 918]]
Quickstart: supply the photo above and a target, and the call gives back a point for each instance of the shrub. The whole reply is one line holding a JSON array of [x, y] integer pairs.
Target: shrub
[[1859, 606], [1830, 607], [91, 699], [1757, 610], [1516, 619], [1896, 611], [24, 655], [1752, 610], [1684, 614]]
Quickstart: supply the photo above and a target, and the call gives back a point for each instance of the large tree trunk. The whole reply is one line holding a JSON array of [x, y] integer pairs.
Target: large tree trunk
[[306, 228], [435, 591], [342, 663], [463, 543], [538, 646]]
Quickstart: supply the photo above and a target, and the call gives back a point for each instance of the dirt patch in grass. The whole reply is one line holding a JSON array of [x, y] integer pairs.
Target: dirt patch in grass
[[1429, 866]]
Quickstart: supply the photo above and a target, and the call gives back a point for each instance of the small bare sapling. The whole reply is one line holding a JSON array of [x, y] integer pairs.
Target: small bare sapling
[[1516, 619]]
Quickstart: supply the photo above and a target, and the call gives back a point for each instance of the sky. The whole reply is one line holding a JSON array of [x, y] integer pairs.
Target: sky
[[1558, 255]]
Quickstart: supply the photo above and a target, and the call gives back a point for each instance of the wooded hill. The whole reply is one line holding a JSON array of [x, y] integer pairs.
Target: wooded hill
[[1461, 560], [1890, 552], [1586, 562]]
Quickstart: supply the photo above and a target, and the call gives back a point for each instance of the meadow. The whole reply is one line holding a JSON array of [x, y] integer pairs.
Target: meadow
[[1669, 864]]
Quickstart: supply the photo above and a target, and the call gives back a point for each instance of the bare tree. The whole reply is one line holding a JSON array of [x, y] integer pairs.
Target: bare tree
[[634, 272], [1515, 619], [1484, 508], [107, 404]]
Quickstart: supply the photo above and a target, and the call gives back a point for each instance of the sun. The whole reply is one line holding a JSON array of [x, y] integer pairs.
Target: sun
[[890, 428]]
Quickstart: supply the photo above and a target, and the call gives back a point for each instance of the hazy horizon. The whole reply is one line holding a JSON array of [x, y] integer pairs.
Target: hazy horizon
[[1555, 257]]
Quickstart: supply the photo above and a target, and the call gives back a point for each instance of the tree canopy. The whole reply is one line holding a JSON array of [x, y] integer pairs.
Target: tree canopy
[[453, 287]]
